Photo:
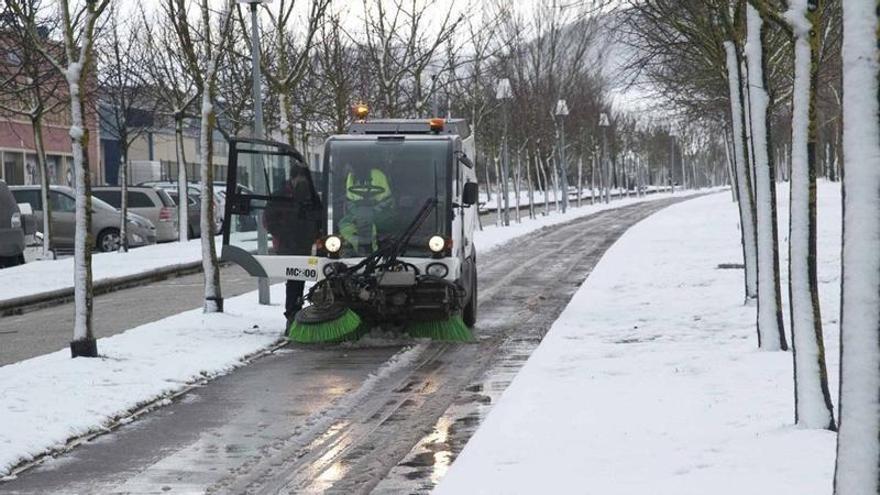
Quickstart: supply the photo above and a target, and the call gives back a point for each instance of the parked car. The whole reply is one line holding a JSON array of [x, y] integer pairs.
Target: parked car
[[11, 232], [105, 219], [195, 190], [152, 203], [193, 213]]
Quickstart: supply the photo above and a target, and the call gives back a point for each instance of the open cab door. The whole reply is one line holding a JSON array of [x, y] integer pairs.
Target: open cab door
[[274, 211]]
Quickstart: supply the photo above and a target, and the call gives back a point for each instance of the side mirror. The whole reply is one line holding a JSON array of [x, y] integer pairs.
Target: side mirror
[[464, 160], [470, 194]]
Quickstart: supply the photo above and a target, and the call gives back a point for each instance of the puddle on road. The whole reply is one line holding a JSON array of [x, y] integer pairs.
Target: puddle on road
[[426, 464]]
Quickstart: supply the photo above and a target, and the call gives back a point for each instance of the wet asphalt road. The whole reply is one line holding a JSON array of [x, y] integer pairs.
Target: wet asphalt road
[[309, 420], [49, 329]]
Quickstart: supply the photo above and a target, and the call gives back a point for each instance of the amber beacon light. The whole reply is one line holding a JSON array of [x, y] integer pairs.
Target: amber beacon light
[[361, 111]]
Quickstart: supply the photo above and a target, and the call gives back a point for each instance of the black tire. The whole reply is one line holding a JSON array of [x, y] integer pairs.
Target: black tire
[[469, 313], [108, 240], [190, 233], [20, 259]]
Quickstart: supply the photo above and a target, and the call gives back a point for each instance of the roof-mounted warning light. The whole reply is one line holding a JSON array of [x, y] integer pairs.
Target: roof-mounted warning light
[[436, 125], [361, 111]]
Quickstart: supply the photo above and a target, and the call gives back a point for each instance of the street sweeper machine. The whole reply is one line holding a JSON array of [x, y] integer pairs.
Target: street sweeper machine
[[381, 231]]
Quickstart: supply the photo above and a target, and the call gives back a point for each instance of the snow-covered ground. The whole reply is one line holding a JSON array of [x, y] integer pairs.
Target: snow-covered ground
[[52, 275], [48, 399], [651, 381]]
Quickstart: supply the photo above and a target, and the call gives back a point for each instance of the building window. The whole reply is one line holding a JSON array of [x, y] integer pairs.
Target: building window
[[13, 168]]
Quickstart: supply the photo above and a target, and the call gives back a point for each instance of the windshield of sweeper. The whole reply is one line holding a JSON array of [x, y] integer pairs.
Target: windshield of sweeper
[[377, 187]]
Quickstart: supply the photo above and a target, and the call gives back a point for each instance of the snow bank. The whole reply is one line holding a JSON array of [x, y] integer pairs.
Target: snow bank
[[493, 236], [651, 382], [51, 275], [48, 399]]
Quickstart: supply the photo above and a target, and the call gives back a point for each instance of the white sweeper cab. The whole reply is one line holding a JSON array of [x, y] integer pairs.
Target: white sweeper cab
[[383, 227]]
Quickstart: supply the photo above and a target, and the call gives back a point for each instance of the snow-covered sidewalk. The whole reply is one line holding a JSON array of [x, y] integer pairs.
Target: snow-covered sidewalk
[[650, 381], [47, 276]]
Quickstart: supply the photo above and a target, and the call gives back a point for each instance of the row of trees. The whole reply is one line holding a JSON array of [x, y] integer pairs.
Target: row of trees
[[772, 73], [190, 61]]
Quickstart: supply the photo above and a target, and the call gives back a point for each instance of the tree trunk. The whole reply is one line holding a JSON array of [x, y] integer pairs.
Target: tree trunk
[[531, 187], [770, 326], [857, 470], [182, 181], [580, 181], [84, 343], [545, 185], [499, 218], [813, 407], [210, 265], [37, 125], [123, 197], [742, 183], [555, 171], [516, 186]]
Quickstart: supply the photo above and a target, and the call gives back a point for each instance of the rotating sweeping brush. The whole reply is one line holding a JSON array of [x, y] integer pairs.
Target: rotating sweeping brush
[[324, 323], [452, 330]]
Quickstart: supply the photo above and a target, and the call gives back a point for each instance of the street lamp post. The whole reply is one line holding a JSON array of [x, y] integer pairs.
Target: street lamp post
[[604, 124], [504, 94], [561, 112], [256, 77]]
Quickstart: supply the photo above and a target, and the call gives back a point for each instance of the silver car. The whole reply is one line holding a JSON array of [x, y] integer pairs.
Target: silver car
[[150, 202], [105, 220]]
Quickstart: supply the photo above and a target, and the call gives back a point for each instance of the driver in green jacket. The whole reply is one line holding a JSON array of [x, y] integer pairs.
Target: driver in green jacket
[[370, 210]]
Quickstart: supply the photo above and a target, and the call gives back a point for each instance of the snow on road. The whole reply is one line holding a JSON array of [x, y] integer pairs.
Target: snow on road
[[651, 382]]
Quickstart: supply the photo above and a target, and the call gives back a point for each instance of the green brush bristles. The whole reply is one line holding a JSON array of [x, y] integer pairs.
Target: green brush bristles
[[335, 330], [452, 329]]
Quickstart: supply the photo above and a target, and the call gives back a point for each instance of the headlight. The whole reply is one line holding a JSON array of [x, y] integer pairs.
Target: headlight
[[437, 270], [333, 244], [436, 243]]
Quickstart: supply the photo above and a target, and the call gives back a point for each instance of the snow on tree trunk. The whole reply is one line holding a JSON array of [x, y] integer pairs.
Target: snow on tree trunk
[[210, 266], [770, 326], [742, 177], [182, 184], [858, 446], [82, 251], [813, 407]]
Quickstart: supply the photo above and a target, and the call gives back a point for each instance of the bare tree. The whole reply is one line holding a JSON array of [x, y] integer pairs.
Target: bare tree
[[290, 63], [128, 110], [858, 443], [770, 326], [32, 90], [203, 51], [78, 29], [176, 91]]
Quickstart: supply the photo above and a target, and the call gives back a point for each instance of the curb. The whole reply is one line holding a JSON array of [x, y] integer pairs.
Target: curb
[[24, 304]]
